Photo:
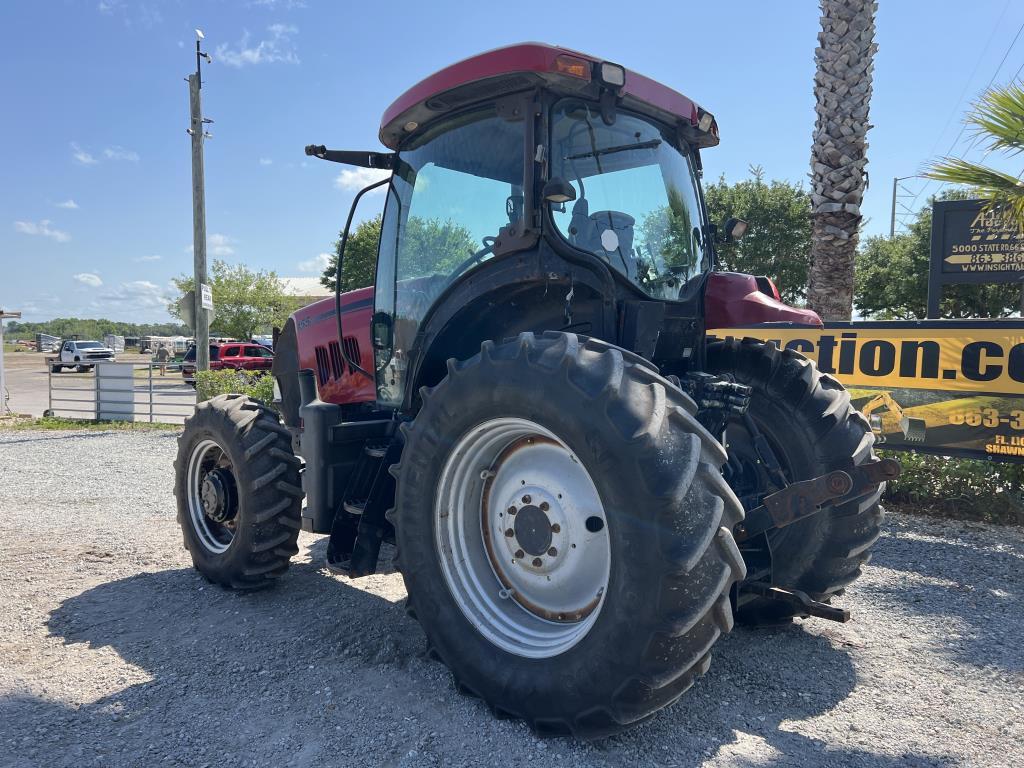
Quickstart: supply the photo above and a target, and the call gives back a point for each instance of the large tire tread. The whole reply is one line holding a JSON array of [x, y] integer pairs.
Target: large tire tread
[[267, 476], [818, 404], [693, 559]]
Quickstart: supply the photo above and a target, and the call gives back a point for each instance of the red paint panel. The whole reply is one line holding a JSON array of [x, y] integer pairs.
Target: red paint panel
[[316, 326], [732, 299]]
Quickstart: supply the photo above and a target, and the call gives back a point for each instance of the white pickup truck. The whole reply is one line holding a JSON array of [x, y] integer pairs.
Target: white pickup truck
[[81, 355]]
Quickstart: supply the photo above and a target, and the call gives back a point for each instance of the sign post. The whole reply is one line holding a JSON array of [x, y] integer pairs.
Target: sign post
[[971, 245]]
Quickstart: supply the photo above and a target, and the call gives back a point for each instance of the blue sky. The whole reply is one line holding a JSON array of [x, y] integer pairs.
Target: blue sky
[[96, 206]]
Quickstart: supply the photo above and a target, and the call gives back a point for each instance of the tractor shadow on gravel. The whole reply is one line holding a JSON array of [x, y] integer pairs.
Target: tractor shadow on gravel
[[317, 653]]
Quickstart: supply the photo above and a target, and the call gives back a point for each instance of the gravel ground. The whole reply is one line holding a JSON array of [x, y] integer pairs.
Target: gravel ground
[[114, 652]]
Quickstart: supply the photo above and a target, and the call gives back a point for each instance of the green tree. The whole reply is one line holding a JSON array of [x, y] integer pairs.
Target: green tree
[[89, 328], [778, 240], [892, 277], [998, 120], [360, 257], [245, 301], [429, 246]]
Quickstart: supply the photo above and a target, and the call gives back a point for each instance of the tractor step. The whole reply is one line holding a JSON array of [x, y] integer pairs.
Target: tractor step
[[354, 507], [802, 603]]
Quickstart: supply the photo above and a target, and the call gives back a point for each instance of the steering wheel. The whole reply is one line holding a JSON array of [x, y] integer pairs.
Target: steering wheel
[[488, 248]]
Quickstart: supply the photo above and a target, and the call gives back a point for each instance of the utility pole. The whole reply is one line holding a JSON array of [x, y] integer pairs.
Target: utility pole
[[892, 214], [198, 133]]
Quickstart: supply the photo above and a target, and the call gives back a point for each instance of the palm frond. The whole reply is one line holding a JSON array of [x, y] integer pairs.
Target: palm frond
[[1005, 193], [999, 116]]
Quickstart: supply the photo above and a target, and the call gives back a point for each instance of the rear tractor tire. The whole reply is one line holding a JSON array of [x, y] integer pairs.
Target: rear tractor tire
[[238, 492], [573, 566], [807, 419]]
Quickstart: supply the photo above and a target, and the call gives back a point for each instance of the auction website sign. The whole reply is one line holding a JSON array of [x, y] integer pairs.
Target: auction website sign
[[951, 387], [971, 245]]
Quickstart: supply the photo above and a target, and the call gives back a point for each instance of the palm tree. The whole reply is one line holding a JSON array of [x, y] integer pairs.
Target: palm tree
[[997, 119], [842, 89]]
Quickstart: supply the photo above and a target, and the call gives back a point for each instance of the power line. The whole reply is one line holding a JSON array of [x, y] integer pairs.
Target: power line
[[963, 128]]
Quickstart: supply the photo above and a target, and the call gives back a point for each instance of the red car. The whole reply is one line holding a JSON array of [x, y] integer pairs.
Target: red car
[[232, 354]]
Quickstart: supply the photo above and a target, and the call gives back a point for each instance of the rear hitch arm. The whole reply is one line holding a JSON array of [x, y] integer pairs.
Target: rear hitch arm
[[801, 602], [806, 497]]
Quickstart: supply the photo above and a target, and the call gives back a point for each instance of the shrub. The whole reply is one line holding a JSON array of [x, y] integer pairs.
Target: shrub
[[959, 488], [259, 385]]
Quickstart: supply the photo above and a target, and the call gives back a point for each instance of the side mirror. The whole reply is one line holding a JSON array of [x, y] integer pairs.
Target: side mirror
[[558, 190], [734, 229], [382, 331]]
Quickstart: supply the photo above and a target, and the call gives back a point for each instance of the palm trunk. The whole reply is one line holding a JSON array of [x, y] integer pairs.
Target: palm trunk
[[842, 89]]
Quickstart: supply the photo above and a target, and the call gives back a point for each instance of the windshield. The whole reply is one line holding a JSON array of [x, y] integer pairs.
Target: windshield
[[637, 205], [89, 345]]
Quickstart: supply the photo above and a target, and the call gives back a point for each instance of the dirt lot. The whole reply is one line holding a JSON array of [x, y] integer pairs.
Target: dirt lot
[[114, 652]]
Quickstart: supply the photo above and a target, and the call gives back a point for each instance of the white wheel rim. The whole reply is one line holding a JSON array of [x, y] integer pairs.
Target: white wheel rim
[[522, 537], [215, 537]]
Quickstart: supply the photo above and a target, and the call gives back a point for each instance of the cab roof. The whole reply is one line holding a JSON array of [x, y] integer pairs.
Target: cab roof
[[518, 67]]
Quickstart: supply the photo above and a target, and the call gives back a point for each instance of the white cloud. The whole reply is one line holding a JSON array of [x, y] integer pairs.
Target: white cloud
[[88, 278], [266, 161], [109, 6], [42, 228], [217, 245], [278, 47], [317, 264], [220, 245], [354, 179], [120, 153], [154, 257], [81, 156], [135, 298], [70, 204]]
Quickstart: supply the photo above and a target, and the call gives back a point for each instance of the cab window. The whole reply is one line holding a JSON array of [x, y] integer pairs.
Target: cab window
[[637, 202]]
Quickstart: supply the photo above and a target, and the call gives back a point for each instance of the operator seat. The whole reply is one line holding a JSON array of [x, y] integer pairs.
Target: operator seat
[[608, 234]]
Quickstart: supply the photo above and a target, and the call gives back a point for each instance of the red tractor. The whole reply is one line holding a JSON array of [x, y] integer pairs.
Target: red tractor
[[583, 489]]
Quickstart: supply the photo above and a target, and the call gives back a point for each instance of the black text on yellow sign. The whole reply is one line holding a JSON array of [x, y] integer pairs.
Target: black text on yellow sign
[[987, 360]]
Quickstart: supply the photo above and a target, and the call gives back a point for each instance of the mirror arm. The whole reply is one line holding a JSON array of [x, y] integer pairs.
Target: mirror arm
[[382, 160]]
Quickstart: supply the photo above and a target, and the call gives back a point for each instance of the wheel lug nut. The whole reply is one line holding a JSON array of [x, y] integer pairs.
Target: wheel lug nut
[[544, 506], [526, 499], [520, 554], [552, 551], [556, 528], [512, 510], [537, 562], [509, 532]]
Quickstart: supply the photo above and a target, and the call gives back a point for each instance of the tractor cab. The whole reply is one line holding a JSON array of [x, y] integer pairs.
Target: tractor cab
[[571, 178], [583, 490]]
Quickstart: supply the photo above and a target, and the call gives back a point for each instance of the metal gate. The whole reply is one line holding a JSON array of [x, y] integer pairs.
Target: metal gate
[[121, 392]]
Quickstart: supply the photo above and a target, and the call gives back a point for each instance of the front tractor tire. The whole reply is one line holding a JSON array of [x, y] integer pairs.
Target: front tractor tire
[[572, 559], [238, 492], [806, 418]]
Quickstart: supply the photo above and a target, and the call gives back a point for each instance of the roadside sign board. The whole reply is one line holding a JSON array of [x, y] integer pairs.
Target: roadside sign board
[[971, 245], [949, 387], [187, 309], [206, 296]]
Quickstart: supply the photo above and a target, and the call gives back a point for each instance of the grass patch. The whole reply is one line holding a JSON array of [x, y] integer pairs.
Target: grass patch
[[57, 423], [958, 489]]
